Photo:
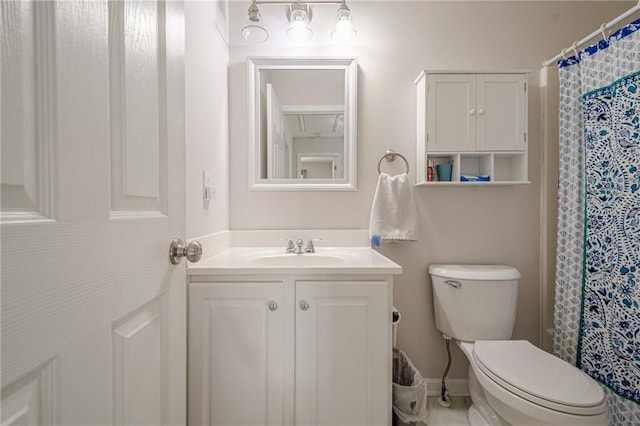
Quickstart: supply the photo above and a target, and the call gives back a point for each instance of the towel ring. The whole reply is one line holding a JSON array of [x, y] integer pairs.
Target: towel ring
[[390, 155]]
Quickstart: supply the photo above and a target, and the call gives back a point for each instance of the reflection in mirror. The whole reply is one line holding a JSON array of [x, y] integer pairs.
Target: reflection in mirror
[[302, 123]]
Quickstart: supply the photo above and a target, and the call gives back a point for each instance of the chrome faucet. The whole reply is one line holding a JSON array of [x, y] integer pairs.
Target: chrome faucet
[[290, 247], [310, 248], [297, 247]]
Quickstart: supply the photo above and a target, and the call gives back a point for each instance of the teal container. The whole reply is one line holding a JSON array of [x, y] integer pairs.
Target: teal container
[[444, 171]]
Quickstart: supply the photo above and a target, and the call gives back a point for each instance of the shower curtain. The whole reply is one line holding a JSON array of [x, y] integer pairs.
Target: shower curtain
[[597, 305]]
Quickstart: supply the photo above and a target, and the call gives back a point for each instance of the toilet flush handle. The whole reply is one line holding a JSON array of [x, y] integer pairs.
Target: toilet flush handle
[[453, 283]]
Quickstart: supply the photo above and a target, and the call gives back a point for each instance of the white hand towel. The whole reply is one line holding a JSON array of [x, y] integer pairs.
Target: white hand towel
[[393, 214]]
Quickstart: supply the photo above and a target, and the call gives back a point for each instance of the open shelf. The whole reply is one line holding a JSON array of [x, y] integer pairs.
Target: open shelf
[[503, 168]]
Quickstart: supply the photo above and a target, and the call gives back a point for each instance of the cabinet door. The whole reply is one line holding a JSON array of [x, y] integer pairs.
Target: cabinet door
[[451, 112], [343, 353], [235, 354], [501, 111]]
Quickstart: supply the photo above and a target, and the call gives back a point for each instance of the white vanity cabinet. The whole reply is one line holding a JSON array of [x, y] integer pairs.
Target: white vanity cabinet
[[290, 350], [236, 344], [475, 120], [343, 348]]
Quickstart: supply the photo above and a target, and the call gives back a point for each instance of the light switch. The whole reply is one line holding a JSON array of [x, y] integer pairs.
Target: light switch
[[208, 190]]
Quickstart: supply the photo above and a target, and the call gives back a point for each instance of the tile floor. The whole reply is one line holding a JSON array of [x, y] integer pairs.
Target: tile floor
[[456, 415]]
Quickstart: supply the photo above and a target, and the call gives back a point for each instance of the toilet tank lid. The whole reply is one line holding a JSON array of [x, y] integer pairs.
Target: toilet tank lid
[[475, 272]]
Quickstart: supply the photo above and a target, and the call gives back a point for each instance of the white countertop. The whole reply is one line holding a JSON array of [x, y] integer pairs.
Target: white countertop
[[274, 261]]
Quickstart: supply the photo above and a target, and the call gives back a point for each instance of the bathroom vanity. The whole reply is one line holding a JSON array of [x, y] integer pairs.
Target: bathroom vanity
[[279, 338]]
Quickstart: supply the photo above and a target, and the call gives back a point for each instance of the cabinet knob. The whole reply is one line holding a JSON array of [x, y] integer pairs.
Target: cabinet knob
[[480, 111], [304, 305], [273, 306], [473, 111]]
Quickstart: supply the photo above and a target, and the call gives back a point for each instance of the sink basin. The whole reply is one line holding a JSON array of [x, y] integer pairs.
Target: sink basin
[[295, 260]]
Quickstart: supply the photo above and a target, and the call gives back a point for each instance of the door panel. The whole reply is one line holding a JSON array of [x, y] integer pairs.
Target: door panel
[[236, 353], [91, 306], [28, 144], [30, 400], [343, 353], [451, 114], [278, 139], [137, 96], [139, 365], [501, 112]]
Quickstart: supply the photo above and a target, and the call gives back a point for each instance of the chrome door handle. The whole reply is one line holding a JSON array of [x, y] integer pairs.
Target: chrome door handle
[[273, 306], [454, 283], [177, 250], [304, 305]]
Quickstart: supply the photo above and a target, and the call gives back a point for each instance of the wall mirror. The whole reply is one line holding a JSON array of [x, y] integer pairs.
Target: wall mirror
[[302, 123]]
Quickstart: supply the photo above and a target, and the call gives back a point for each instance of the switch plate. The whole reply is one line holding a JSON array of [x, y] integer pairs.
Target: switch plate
[[208, 190]]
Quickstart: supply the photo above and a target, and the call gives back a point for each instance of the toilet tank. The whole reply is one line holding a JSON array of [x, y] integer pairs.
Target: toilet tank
[[475, 302]]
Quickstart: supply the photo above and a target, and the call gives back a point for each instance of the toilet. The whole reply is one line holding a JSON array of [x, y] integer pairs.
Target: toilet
[[511, 382]]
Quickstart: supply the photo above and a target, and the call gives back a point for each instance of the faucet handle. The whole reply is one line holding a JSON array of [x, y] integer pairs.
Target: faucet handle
[[310, 248], [290, 246]]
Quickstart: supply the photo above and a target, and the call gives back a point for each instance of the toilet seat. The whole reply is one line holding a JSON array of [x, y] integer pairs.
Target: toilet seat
[[539, 377]]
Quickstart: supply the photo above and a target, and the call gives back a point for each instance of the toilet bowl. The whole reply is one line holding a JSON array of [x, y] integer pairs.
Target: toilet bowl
[[526, 386], [511, 382]]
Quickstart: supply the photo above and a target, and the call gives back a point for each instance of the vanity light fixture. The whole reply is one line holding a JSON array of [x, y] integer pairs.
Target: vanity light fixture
[[299, 18], [254, 32], [344, 30], [299, 15]]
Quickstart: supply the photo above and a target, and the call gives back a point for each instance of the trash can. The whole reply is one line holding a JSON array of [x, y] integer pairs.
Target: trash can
[[409, 391], [395, 320]]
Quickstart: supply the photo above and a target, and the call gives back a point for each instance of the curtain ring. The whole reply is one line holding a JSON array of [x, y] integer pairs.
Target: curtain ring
[[603, 28], [574, 46], [563, 52]]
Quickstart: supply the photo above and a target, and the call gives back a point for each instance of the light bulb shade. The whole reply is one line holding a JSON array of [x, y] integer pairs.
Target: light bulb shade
[[344, 30], [299, 30], [255, 33]]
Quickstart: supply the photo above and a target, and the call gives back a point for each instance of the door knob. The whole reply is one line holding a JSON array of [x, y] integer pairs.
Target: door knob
[[177, 250], [304, 305]]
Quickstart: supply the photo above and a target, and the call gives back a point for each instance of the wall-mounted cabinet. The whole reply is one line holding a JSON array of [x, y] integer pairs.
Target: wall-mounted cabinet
[[475, 120]]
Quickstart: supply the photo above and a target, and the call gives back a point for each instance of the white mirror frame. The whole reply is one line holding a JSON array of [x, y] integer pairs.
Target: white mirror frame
[[350, 67]]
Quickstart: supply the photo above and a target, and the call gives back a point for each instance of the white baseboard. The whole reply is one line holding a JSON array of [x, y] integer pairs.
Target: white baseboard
[[456, 387]]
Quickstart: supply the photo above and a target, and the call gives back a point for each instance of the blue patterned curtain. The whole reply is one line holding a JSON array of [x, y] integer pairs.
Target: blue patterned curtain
[[597, 305]]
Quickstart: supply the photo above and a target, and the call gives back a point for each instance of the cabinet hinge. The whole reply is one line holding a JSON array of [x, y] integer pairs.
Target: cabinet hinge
[[525, 86], [427, 87], [525, 137]]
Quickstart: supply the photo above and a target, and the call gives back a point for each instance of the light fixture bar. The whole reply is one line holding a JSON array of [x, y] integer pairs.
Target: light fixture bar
[[286, 2], [299, 15]]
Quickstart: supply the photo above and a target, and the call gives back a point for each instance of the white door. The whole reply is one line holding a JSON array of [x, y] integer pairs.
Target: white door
[[236, 358], [451, 112], [93, 312], [343, 353], [501, 112], [278, 156]]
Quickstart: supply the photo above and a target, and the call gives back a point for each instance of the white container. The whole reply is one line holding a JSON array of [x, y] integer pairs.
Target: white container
[[475, 302]]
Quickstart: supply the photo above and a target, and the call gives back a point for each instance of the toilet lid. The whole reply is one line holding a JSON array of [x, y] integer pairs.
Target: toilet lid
[[538, 376]]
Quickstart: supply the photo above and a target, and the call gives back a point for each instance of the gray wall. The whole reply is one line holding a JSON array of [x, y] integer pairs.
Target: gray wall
[[396, 41]]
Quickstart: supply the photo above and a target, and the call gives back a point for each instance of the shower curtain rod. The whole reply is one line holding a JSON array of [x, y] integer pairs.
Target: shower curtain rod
[[599, 31]]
